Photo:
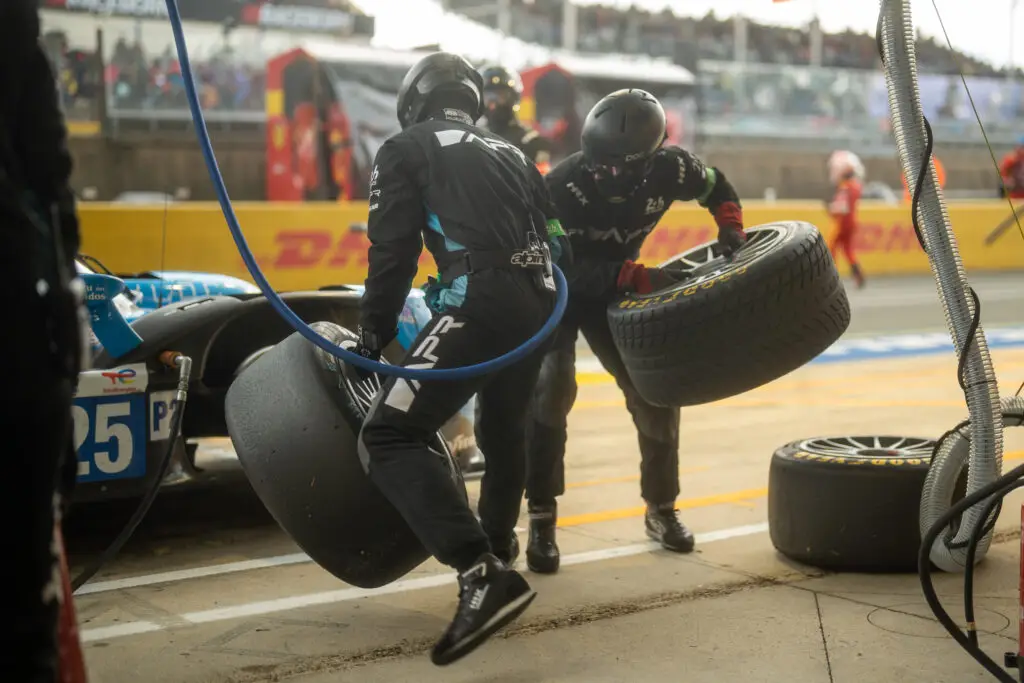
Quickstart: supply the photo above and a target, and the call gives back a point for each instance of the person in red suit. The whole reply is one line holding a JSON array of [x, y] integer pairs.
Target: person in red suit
[[1012, 170], [846, 173]]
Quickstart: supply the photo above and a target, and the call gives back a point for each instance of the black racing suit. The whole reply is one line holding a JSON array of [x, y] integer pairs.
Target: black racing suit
[[467, 192], [534, 145], [40, 343], [604, 235]]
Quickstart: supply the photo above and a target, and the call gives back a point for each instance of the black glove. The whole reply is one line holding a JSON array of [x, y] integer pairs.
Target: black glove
[[369, 346], [730, 239]]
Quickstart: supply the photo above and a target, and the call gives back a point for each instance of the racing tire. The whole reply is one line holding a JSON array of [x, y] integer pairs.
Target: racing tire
[[293, 417], [732, 325], [849, 503]]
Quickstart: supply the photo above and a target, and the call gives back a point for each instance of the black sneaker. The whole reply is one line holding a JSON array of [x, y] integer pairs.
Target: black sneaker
[[664, 527], [542, 555], [490, 596], [506, 551]]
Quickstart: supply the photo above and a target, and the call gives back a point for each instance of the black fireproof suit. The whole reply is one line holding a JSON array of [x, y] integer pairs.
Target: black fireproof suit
[[39, 342], [534, 145], [603, 235], [466, 191]]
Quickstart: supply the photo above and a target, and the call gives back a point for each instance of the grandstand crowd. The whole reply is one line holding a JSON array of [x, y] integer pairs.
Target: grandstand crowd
[[137, 76]]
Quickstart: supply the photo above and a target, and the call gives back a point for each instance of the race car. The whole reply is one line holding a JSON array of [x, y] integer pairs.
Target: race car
[[124, 403]]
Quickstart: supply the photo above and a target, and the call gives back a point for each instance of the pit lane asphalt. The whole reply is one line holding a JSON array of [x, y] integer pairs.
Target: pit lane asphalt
[[291, 618]]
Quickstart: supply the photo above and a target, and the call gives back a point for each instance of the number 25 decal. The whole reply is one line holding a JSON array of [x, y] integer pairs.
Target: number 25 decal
[[106, 432]]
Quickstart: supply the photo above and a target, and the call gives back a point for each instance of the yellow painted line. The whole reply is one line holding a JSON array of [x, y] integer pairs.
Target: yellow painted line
[[627, 479], [741, 498], [686, 504], [82, 129], [791, 384], [1013, 455], [795, 403]]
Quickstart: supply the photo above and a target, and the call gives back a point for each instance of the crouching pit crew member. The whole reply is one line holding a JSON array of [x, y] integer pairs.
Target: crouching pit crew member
[[609, 197], [482, 209]]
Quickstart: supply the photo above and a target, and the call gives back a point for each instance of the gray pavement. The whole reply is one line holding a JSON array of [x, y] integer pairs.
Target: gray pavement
[[911, 304], [211, 590], [795, 629]]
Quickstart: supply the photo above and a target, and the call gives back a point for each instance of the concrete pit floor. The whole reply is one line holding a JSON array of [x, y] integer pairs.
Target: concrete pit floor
[[210, 589]]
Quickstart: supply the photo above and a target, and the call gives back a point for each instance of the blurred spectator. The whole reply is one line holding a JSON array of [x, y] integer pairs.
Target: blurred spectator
[[609, 29], [136, 78]]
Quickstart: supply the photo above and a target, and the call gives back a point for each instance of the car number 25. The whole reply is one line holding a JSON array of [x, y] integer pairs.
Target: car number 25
[[110, 437]]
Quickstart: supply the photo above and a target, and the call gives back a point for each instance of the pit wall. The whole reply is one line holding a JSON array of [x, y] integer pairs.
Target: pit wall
[[307, 246], [165, 162]]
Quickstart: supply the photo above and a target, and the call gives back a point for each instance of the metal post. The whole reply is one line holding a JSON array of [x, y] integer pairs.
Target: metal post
[[740, 59], [505, 17], [570, 25], [817, 39], [739, 32], [1011, 66]]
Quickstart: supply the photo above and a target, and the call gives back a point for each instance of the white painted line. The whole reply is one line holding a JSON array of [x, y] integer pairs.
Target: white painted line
[[187, 574], [132, 628], [254, 609], [200, 572], [641, 548], [347, 594]]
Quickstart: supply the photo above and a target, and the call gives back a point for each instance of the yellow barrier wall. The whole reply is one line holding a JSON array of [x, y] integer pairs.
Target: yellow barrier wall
[[306, 246]]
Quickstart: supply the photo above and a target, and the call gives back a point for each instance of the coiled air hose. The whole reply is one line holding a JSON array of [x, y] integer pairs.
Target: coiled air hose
[[282, 308], [960, 304]]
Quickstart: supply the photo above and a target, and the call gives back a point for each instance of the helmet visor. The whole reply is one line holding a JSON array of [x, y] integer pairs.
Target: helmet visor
[[619, 179]]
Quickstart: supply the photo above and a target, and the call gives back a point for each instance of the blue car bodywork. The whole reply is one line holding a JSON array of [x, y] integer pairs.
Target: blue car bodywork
[[122, 409], [155, 289]]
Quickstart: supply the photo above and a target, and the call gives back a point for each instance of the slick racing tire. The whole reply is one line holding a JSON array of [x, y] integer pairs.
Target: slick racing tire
[[294, 417], [849, 503], [731, 325]]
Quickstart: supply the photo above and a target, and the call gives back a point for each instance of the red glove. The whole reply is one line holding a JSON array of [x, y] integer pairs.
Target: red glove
[[638, 278], [729, 217]]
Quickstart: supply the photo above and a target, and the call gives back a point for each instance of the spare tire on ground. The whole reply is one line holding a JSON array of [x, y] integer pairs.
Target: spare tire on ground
[[849, 503], [732, 325], [293, 418]]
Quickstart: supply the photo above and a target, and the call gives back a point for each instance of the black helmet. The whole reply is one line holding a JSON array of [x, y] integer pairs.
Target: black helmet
[[436, 74], [503, 88], [620, 136]]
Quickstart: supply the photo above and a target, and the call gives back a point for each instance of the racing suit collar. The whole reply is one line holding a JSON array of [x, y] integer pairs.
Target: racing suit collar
[[452, 115]]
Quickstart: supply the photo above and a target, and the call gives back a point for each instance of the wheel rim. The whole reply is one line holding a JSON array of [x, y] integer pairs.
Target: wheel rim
[[870, 447], [364, 392], [706, 261]]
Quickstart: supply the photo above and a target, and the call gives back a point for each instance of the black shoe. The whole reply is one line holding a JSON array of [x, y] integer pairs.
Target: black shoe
[[506, 551], [664, 527], [858, 275], [490, 596], [542, 554]]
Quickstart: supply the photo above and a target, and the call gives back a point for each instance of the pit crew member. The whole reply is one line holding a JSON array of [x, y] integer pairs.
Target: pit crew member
[[503, 91], [1011, 168], [846, 173], [482, 210], [43, 343], [609, 197]]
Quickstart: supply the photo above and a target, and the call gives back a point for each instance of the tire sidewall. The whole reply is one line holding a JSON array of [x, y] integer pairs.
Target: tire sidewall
[[688, 294]]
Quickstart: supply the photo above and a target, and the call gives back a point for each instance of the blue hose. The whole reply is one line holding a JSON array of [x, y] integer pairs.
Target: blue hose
[[282, 308]]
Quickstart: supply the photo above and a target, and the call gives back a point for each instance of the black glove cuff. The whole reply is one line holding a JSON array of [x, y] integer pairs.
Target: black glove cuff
[[370, 340]]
